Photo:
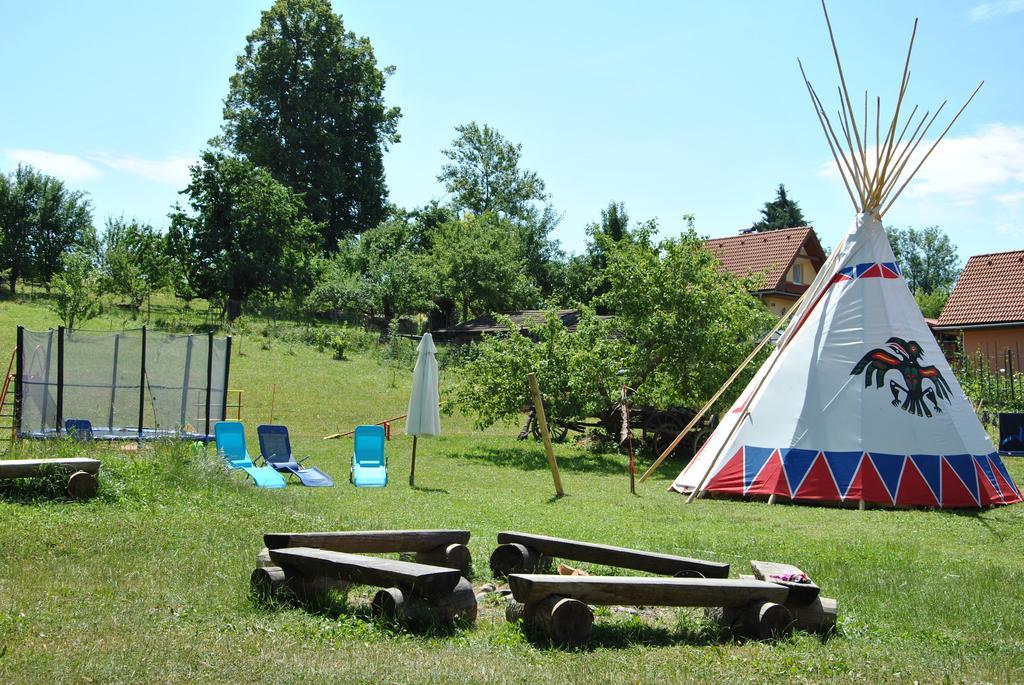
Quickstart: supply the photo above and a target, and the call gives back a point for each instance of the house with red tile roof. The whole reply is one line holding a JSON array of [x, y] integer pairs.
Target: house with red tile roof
[[986, 308], [783, 262]]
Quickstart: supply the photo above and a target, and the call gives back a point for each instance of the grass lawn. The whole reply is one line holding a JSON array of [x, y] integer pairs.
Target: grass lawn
[[148, 582]]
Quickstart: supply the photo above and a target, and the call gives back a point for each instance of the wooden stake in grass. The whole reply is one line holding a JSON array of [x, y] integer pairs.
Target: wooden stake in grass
[[542, 421]]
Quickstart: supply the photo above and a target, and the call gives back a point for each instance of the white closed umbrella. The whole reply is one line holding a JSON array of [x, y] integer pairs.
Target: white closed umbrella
[[424, 414]]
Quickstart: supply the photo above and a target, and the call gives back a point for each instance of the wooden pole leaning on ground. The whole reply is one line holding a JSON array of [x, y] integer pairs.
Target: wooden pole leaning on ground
[[542, 421], [352, 432]]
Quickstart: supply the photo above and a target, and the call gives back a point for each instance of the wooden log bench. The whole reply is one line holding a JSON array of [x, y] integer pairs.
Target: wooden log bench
[[558, 605], [433, 547], [411, 593], [811, 612], [527, 553], [81, 473]]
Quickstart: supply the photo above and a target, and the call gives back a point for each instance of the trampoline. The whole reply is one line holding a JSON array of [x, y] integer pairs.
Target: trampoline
[[132, 385]]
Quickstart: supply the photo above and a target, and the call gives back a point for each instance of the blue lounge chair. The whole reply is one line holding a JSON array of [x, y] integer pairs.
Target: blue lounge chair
[[230, 436], [78, 429], [276, 450], [369, 467]]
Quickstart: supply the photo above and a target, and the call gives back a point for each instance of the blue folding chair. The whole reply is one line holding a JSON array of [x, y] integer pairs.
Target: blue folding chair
[[230, 437], [79, 430], [276, 450], [369, 466]]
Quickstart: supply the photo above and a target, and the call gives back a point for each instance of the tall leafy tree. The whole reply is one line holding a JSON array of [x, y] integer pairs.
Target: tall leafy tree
[[483, 173], [40, 220], [782, 212], [307, 103], [927, 258], [244, 235]]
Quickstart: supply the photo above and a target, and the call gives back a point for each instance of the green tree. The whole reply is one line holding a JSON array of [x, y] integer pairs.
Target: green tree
[[782, 212], [576, 372], [483, 173], [477, 261], [307, 103], [40, 220], [379, 274], [685, 324], [585, 274], [931, 304], [76, 290], [244, 235], [679, 327], [927, 258], [133, 260]]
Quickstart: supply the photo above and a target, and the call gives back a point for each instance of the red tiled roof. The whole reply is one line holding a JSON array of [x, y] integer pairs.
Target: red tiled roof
[[990, 290], [768, 253]]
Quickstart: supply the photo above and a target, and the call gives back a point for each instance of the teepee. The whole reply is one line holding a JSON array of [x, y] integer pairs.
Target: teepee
[[857, 402]]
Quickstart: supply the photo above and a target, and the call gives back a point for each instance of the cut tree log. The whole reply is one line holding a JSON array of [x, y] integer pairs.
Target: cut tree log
[[283, 585], [410, 608], [516, 558], [817, 617], [430, 581], [82, 485], [634, 591], [451, 556], [621, 557], [29, 468], [370, 541], [567, 622], [757, 620], [799, 593]]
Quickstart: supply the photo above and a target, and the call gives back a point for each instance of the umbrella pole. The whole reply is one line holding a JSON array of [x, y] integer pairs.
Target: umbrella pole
[[412, 471]]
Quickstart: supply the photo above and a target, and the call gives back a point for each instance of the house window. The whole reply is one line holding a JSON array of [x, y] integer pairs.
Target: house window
[[798, 273]]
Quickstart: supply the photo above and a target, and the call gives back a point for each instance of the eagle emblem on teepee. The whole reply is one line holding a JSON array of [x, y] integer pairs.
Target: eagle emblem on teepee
[[878, 362]]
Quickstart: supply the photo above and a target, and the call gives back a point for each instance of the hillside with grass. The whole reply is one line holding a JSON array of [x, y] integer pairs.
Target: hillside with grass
[[149, 581]]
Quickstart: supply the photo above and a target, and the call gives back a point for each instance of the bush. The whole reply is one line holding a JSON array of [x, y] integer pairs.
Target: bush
[[76, 290]]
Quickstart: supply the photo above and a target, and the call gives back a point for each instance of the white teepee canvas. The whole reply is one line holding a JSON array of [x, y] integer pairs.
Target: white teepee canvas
[[857, 402]]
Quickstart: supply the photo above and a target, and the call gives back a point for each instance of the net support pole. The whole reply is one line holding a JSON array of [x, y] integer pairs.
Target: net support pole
[[44, 413], [227, 370], [142, 386], [60, 379], [209, 381], [184, 382], [20, 372], [113, 382]]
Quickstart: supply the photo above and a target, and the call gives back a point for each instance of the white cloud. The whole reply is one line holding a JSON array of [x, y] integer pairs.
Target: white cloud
[[65, 167], [170, 171], [1011, 198], [990, 10]]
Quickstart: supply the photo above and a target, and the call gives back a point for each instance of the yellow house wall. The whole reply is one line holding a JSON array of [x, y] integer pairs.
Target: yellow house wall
[[808, 270], [993, 343], [778, 305]]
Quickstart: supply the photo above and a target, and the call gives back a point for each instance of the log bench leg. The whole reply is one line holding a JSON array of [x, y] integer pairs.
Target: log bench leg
[[282, 585], [758, 620], [411, 609], [566, 622], [82, 485], [450, 556], [515, 558]]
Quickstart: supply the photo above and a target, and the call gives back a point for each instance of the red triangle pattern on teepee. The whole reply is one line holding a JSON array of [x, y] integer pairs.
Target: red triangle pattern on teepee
[[770, 481], [874, 272], [954, 492], [888, 273], [989, 495], [730, 477], [818, 483], [868, 486], [914, 490], [1009, 496]]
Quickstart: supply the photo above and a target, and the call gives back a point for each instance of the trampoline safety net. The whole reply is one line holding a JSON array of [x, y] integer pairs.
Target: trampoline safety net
[[128, 384]]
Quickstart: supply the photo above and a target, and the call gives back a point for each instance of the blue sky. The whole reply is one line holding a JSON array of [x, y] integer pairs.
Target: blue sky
[[670, 107]]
